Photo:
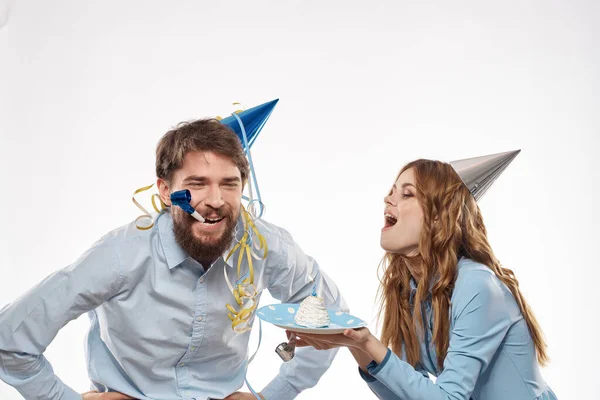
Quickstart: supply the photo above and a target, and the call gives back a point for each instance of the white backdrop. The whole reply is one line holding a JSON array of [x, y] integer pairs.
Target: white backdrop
[[87, 89]]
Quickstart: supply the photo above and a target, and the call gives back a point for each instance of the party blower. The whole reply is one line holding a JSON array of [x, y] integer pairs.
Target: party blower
[[182, 199]]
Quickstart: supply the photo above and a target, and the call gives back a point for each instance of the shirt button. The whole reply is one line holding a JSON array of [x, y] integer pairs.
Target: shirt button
[[181, 364], [193, 348], [199, 319], [201, 280]]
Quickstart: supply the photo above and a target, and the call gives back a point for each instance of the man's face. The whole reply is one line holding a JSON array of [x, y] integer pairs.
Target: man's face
[[215, 184]]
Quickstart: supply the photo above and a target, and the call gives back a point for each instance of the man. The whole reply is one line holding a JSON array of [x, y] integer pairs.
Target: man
[[158, 298]]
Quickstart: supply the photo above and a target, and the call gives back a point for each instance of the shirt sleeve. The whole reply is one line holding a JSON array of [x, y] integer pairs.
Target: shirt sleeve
[[30, 323], [379, 389], [292, 277], [482, 319]]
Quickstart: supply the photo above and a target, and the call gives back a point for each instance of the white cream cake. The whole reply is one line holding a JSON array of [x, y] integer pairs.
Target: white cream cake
[[312, 313]]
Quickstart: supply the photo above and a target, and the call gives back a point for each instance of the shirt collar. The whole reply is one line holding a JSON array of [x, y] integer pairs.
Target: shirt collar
[[174, 254], [413, 290]]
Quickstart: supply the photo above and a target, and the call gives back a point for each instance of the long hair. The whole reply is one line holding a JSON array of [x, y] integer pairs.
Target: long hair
[[452, 227]]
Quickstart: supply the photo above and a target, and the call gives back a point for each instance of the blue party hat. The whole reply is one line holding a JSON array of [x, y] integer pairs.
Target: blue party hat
[[253, 119]]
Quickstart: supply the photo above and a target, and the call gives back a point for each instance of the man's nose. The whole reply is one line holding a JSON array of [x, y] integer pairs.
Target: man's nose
[[214, 198]]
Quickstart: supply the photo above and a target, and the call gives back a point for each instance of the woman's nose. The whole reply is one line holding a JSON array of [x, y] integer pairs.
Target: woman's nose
[[389, 200]]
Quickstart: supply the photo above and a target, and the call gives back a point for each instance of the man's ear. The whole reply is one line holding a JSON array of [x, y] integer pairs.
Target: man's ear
[[164, 191]]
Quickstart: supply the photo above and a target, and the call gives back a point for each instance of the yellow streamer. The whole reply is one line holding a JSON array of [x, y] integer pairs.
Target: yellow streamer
[[219, 118], [245, 290], [146, 214]]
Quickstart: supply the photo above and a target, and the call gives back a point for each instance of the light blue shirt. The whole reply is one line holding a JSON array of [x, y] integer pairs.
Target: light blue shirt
[[159, 325], [491, 355]]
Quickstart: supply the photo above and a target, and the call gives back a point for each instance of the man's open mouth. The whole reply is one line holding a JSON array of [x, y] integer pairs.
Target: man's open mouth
[[212, 221]]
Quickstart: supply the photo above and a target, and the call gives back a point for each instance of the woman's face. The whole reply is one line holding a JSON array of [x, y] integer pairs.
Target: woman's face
[[403, 217]]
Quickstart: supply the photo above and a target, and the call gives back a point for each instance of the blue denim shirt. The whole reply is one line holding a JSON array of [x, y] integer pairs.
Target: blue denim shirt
[[491, 355], [159, 325]]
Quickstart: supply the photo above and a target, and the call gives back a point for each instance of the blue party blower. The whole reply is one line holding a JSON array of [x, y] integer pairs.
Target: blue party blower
[[182, 199]]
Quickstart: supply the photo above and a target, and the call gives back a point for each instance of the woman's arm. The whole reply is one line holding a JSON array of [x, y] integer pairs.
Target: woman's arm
[[482, 319], [362, 358], [379, 389]]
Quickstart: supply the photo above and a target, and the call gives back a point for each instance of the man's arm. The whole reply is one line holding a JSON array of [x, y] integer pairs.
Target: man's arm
[[292, 277], [29, 324]]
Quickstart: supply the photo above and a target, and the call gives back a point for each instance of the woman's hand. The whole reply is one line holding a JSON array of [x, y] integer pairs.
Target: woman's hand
[[363, 345], [355, 338]]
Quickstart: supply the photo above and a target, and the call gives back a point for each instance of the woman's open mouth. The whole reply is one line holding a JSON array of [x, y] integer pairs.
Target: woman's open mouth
[[389, 220]]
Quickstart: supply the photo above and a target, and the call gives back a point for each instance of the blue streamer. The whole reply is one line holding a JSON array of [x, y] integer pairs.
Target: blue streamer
[[252, 171], [246, 373]]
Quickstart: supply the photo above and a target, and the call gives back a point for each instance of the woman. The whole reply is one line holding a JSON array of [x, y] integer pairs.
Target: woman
[[449, 308]]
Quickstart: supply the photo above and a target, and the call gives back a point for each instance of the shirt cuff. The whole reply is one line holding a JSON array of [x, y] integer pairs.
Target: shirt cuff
[[366, 377], [374, 368], [279, 389]]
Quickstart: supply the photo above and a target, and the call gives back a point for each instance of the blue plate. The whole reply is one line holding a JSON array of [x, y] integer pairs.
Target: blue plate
[[282, 315]]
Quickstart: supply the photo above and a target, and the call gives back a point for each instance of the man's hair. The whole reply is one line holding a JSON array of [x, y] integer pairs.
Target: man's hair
[[199, 135]]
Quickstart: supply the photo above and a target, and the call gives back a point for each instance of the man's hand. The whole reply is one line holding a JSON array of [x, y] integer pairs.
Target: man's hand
[[96, 395], [242, 396]]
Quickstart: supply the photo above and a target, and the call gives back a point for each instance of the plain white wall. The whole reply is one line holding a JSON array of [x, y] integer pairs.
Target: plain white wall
[[87, 89]]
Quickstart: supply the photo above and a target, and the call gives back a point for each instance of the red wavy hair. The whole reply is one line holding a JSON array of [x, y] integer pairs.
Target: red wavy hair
[[452, 227]]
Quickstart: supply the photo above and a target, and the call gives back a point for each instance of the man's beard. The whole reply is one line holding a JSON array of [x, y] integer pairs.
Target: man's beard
[[201, 249]]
